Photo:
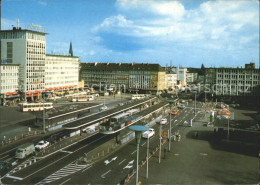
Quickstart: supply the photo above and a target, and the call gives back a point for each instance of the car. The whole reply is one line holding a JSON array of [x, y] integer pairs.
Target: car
[[181, 106], [42, 144], [149, 133], [103, 107], [163, 121], [174, 112]]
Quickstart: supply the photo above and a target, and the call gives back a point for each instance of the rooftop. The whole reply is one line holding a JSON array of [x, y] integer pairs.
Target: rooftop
[[122, 66]]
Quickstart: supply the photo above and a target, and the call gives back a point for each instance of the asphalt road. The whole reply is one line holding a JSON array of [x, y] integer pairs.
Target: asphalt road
[[115, 168]]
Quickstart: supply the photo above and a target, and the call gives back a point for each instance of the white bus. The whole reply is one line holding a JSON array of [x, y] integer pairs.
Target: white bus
[[25, 107], [138, 96]]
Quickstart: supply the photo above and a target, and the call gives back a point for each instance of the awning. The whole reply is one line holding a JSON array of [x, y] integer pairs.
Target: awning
[[8, 93]]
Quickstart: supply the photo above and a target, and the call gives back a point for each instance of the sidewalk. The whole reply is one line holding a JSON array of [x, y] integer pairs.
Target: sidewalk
[[198, 159]]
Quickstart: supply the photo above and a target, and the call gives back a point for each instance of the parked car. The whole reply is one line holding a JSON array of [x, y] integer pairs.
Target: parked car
[[103, 108], [41, 145], [149, 133], [181, 106], [24, 150], [174, 112], [163, 121]]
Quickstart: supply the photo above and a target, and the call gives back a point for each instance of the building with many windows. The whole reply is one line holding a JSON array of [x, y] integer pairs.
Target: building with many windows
[[38, 72], [26, 48], [233, 81], [130, 76], [191, 77], [181, 75], [61, 71]]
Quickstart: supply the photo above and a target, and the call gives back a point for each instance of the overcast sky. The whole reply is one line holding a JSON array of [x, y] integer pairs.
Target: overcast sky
[[185, 33]]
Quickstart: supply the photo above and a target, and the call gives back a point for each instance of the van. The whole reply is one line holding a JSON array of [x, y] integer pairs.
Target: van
[[24, 150]]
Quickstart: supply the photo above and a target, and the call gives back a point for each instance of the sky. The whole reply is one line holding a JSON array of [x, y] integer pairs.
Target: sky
[[182, 33]]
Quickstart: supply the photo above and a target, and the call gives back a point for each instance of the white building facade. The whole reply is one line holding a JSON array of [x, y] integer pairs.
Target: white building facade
[[26, 48], [9, 74], [171, 81], [61, 71], [181, 75]]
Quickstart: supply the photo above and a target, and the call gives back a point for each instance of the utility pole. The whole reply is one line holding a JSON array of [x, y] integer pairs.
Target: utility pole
[[160, 143], [43, 123], [170, 132], [147, 160]]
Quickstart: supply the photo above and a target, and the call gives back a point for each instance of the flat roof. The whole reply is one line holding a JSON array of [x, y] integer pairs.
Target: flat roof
[[24, 30], [105, 114], [67, 110]]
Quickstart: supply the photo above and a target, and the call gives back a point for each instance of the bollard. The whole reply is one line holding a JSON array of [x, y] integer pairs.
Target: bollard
[[25, 165], [15, 138]]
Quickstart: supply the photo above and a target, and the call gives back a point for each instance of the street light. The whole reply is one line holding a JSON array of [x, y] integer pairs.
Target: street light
[[138, 132]]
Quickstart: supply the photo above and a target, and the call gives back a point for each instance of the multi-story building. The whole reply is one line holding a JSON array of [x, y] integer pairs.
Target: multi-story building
[[37, 71], [191, 77], [9, 74], [233, 81], [181, 75], [61, 71], [171, 80], [131, 76], [26, 48]]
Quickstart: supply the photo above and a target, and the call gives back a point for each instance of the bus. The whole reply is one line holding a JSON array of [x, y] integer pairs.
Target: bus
[[117, 118], [25, 107], [138, 96]]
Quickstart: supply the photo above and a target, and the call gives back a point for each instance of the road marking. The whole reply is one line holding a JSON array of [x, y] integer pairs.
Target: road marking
[[61, 158], [129, 165], [103, 176], [4, 157], [133, 152], [143, 144], [107, 161], [63, 172], [65, 181], [86, 168], [13, 177], [203, 154], [121, 162], [66, 151]]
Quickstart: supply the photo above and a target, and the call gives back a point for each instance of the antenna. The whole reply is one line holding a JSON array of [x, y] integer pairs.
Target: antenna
[[17, 22]]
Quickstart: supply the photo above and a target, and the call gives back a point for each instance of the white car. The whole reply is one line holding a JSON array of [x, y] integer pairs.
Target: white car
[[149, 133], [103, 107], [163, 121], [42, 144]]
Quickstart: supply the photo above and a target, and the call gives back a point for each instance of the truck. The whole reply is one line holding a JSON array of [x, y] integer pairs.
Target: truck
[[24, 150]]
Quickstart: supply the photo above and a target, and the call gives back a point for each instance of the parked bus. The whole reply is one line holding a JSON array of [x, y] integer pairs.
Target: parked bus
[[138, 96], [25, 107]]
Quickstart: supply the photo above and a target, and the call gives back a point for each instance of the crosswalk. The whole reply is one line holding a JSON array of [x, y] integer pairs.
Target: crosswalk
[[67, 170]]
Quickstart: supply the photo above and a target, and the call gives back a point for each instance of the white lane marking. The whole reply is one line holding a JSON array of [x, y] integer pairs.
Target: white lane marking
[[121, 162], [67, 170], [107, 161], [203, 154], [4, 157], [129, 165], [86, 168], [133, 152], [103, 176], [143, 144], [61, 158], [13, 177], [65, 181], [66, 151]]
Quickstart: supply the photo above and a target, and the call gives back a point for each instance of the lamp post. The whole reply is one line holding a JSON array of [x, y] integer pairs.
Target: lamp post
[[138, 132]]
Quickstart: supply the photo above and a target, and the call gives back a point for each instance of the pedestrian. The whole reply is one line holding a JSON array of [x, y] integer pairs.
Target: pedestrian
[[4, 139]]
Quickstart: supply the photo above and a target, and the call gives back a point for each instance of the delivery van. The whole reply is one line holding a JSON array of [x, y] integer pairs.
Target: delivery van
[[24, 150]]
